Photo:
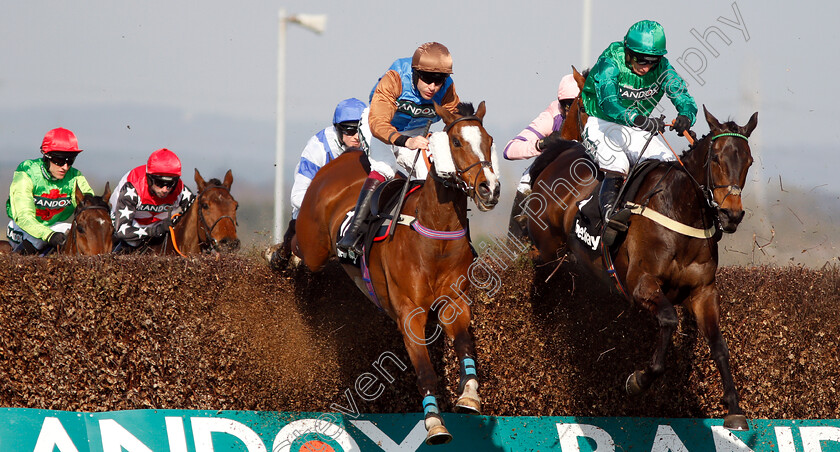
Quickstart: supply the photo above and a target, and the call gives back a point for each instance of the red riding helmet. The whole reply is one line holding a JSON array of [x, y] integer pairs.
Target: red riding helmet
[[60, 140], [164, 162]]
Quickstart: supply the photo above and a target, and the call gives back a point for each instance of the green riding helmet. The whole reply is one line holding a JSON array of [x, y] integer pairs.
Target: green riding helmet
[[646, 37]]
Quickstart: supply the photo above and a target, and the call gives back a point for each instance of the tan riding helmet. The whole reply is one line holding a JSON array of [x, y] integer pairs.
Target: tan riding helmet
[[432, 57]]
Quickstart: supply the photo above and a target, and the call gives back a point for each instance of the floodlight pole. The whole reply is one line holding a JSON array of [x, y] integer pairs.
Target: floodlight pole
[[317, 24]]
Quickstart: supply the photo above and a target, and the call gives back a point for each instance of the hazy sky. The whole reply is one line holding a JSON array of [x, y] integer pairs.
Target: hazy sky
[[218, 58]]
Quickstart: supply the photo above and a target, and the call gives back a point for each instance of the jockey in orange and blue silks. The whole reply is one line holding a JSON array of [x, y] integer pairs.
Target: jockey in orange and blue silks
[[403, 102], [401, 105], [147, 198], [621, 91], [41, 196]]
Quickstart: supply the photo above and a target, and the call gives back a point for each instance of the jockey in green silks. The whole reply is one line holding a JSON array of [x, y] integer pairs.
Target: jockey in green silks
[[621, 91]]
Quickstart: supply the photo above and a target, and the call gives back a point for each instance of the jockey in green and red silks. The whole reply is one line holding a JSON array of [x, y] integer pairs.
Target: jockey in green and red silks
[[41, 196], [620, 93]]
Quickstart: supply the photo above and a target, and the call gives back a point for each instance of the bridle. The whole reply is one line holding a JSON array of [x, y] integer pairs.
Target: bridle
[[459, 182], [208, 240], [710, 187]]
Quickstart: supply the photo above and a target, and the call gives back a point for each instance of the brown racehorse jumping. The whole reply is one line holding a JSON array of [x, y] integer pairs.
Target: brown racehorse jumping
[[208, 225], [421, 268], [92, 231], [662, 262]]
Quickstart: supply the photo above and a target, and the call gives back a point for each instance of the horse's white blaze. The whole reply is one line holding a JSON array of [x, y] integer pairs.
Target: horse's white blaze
[[472, 135]]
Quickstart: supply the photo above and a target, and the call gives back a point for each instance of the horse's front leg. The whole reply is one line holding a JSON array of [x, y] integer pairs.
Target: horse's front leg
[[454, 315], [704, 304], [412, 324], [648, 294]]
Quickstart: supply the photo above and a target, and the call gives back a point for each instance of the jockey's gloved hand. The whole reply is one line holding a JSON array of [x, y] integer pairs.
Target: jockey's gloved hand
[[651, 124], [552, 139], [57, 239], [162, 227], [681, 124]]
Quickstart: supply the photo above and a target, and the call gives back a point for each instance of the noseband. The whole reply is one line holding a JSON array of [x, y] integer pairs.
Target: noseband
[[709, 189], [208, 230], [459, 183]]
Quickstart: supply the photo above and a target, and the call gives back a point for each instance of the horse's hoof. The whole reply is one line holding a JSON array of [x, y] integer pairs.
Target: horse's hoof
[[736, 422], [438, 435], [632, 385], [468, 405]]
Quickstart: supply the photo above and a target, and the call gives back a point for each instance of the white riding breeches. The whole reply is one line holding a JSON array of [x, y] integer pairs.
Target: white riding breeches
[[616, 147]]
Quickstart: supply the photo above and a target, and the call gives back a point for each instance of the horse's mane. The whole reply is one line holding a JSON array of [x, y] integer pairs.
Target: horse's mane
[[214, 182], [548, 156], [466, 109]]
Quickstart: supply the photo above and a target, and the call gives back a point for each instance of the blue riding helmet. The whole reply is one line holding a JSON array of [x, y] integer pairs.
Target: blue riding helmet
[[349, 110]]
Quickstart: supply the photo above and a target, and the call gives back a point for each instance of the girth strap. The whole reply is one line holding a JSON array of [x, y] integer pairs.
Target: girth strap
[[668, 223]]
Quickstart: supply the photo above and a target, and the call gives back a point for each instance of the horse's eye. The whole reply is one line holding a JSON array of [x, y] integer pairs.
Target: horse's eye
[[716, 158], [80, 229], [456, 142], [205, 206]]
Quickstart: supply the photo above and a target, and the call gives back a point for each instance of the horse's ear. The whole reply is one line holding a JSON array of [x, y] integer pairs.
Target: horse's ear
[[106, 194], [747, 129], [199, 181], [228, 179], [77, 192], [713, 122], [444, 113], [482, 110], [578, 78]]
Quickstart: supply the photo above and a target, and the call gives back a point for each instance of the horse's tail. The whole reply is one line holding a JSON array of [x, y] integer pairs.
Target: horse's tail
[[548, 156]]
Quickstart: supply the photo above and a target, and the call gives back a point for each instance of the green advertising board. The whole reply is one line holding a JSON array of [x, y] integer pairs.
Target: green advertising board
[[30, 430]]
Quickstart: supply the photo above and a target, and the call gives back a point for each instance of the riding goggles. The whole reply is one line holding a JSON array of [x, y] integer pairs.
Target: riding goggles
[[433, 78], [646, 60], [61, 160], [163, 181], [348, 129]]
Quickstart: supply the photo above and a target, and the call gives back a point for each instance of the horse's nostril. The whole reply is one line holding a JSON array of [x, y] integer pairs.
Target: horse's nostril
[[484, 189]]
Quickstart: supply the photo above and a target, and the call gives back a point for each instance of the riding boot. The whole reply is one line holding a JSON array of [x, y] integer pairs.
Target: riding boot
[[608, 197], [351, 239], [518, 226], [25, 248], [280, 256]]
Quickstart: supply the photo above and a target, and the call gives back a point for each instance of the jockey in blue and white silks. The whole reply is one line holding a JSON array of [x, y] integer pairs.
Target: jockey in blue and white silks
[[345, 132]]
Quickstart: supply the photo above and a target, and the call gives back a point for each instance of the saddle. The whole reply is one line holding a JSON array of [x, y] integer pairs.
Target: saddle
[[589, 227], [383, 216]]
